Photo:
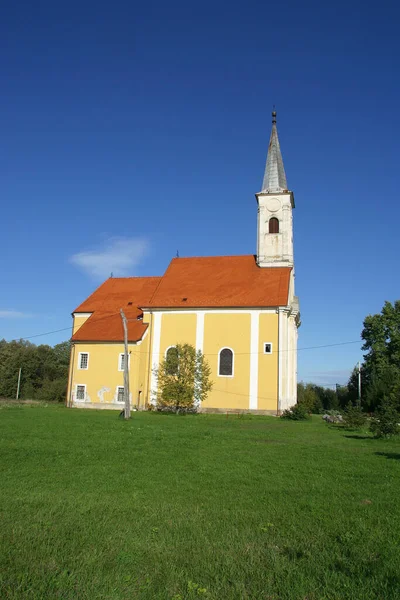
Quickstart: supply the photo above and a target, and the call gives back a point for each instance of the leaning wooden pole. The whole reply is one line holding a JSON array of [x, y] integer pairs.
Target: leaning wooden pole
[[127, 411]]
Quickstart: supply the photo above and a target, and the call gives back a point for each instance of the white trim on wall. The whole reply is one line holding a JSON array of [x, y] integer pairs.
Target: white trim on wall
[[211, 311], [82, 315], [200, 330], [254, 337], [280, 358], [155, 357]]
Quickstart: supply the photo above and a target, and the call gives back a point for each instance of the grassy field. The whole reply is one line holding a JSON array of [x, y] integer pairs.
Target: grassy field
[[181, 508]]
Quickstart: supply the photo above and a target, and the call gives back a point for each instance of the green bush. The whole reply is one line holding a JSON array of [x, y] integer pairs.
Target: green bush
[[183, 380], [53, 391], [353, 416], [298, 412], [386, 420]]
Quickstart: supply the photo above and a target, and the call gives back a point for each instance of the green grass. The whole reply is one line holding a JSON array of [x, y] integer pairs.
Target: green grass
[[166, 507]]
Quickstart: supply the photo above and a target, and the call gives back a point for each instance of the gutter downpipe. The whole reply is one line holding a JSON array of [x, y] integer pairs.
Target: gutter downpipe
[[149, 360], [71, 377]]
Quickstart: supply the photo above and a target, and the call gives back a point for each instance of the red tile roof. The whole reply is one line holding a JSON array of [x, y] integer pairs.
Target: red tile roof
[[208, 282], [116, 292], [221, 281], [105, 303], [107, 327]]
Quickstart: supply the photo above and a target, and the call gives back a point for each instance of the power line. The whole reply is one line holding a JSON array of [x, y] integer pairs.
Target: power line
[[276, 351], [205, 354], [29, 337]]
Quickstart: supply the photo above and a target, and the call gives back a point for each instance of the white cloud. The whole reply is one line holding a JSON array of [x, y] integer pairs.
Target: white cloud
[[13, 314], [119, 256]]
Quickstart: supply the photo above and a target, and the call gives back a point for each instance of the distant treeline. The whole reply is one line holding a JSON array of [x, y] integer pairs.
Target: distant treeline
[[319, 399], [44, 370]]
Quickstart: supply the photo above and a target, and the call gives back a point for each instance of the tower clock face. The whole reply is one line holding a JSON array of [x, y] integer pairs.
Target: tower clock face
[[273, 204]]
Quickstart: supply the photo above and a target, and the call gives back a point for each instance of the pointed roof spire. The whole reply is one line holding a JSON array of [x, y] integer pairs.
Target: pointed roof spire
[[274, 176]]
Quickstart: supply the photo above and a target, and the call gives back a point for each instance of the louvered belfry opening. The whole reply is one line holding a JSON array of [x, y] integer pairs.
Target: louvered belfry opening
[[274, 225]]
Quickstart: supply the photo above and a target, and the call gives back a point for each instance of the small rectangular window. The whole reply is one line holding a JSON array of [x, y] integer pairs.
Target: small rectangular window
[[121, 361], [120, 394], [81, 392], [83, 360], [267, 348]]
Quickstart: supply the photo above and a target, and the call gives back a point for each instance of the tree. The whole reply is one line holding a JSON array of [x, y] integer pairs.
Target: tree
[[44, 370], [354, 417], [381, 385], [380, 371], [183, 379], [387, 417], [308, 397], [381, 335]]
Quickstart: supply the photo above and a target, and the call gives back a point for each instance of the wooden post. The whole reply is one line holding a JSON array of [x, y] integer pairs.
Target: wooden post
[[126, 367], [19, 382]]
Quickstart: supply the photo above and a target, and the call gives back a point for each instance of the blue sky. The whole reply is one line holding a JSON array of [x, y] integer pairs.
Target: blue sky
[[131, 130]]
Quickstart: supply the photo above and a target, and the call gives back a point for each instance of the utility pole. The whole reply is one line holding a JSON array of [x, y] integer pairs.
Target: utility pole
[[19, 382], [127, 411], [359, 383]]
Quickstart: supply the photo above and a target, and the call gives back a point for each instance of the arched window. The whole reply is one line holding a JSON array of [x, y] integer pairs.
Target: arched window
[[171, 361], [225, 362], [273, 225]]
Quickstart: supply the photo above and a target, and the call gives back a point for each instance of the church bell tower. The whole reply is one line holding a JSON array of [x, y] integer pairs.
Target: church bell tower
[[275, 206]]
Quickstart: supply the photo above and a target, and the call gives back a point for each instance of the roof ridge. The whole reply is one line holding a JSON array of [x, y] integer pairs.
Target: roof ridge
[[133, 277], [213, 256]]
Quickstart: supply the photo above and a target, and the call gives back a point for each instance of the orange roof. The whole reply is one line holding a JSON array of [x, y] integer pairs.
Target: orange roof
[[105, 323], [221, 281], [212, 281], [107, 327], [116, 292]]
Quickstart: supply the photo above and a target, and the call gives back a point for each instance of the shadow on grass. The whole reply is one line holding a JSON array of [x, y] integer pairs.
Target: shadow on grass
[[359, 437], [391, 455]]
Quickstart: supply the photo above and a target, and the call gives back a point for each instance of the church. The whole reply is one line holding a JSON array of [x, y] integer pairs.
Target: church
[[240, 311]]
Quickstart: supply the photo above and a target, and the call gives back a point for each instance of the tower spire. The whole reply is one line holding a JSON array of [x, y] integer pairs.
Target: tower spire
[[274, 175]]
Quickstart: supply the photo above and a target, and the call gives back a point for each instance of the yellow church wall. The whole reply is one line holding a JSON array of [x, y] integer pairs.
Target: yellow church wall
[[102, 377], [228, 330], [268, 363], [79, 321], [177, 328], [221, 329]]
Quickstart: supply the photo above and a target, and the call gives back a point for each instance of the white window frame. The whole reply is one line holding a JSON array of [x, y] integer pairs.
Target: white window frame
[[165, 356], [76, 392], [271, 344], [119, 361], [116, 394], [169, 347], [233, 362], [79, 361]]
